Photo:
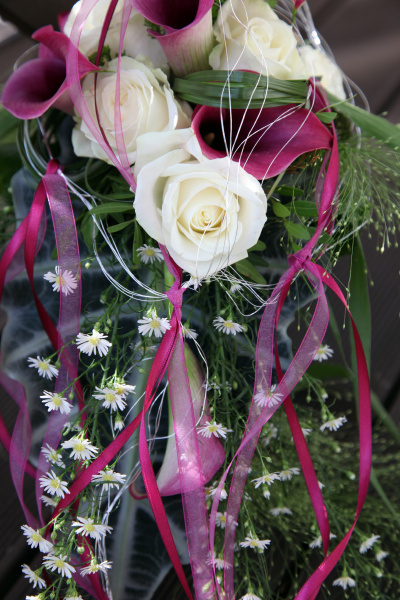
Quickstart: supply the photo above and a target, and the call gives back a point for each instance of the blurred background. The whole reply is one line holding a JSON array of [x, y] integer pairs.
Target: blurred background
[[364, 36]]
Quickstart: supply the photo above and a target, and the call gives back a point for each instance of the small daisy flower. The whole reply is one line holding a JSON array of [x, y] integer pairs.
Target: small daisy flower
[[268, 478], [212, 428], [118, 423], [188, 333], [88, 527], [323, 353], [59, 564], [317, 543], [280, 510], [33, 577], [268, 397], [52, 456], [381, 555], [111, 399], [82, 449], [367, 544], [50, 501], [287, 474], [91, 344], [54, 401], [345, 582], [148, 254], [53, 484], [235, 287], [267, 494], [109, 479], [34, 539], [44, 367], [192, 282], [334, 424], [211, 490], [220, 520], [227, 326], [254, 542], [123, 389], [95, 567], [64, 280], [250, 597], [153, 324]]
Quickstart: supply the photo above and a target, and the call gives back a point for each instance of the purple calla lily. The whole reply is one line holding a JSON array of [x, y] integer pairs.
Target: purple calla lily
[[265, 142], [188, 38], [298, 3], [41, 83]]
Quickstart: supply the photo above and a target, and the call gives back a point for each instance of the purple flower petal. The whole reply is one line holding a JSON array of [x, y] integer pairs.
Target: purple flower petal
[[265, 142], [298, 3], [188, 38], [40, 83]]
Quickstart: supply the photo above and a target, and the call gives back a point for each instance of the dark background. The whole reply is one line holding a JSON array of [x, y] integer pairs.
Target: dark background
[[365, 38]]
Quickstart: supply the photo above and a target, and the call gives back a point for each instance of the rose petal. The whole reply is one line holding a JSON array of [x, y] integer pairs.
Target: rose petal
[[265, 142]]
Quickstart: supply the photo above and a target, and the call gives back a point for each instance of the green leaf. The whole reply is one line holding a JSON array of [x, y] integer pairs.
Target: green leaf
[[359, 300], [304, 208], [258, 247], [385, 417], [249, 271], [372, 125], [280, 210], [326, 117], [120, 226], [8, 123], [328, 371], [288, 190], [297, 230], [111, 207]]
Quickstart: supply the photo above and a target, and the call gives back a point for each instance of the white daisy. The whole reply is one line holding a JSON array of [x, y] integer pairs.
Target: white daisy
[[44, 367], [148, 254], [88, 527], [306, 431], [220, 520], [192, 282], [317, 543], [367, 544], [268, 397], [212, 428], [91, 344], [211, 490], [52, 456], [220, 564], [95, 567], [59, 564], [227, 326], [50, 501], [250, 597], [235, 287], [268, 478], [54, 401], [323, 353], [53, 484], [188, 333], [33, 577], [118, 423], [381, 555], [280, 510], [65, 280], [287, 474], [82, 449], [254, 542], [334, 424], [345, 582], [111, 399], [34, 539], [153, 324], [123, 389], [109, 479]]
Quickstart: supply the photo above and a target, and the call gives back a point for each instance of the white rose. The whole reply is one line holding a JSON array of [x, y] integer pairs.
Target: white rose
[[318, 64], [252, 37], [137, 42], [207, 213], [147, 104]]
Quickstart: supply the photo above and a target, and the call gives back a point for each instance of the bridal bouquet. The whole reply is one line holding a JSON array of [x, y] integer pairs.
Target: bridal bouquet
[[205, 165]]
